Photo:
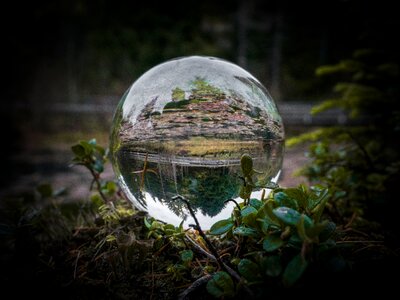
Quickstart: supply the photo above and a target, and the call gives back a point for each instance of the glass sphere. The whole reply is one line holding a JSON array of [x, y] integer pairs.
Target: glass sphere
[[182, 128]]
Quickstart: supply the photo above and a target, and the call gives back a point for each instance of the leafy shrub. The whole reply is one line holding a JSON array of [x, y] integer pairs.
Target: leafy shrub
[[361, 160]]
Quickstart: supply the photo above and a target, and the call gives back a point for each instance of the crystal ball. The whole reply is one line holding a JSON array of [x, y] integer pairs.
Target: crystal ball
[[181, 129]]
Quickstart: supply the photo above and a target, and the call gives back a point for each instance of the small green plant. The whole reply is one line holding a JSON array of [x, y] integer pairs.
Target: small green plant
[[285, 227], [93, 157], [263, 241], [107, 247]]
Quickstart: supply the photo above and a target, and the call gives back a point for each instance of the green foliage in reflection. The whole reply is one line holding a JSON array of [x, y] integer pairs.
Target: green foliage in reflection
[[202, 89], [207, 189], [178, 94]]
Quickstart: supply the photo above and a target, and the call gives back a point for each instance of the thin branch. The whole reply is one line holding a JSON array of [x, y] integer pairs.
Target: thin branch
[[98, 184], [234, 201], [361, 242], [195, 285], [201, 232], [353, 217], [199, 249], [76, 263], [212, 248], [213, 258]]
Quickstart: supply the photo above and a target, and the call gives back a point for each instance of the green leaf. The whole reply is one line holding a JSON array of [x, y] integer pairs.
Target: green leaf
[[180, 227], [248, 210], [265, 212], [78, 150], [255, 203], [327, 232], [98, 166], [169, 229], [282, 199], [271, 185], [92, 142], [221, 227], [245, 231], [272, 242], [299, 194], [88, 148], [301, 230], [321, 194], [187, 256], [246, 162], [295, 241], [249, 270], [294, 270], [245, 191], [272, 265], [147, 223], [248, 214], [45, 190], [319, 208], [101, 150], [110, 238], [264, 225], [111, 187], [290, 216], [221, 285], [97, 200], [155, 225], [325, 105]]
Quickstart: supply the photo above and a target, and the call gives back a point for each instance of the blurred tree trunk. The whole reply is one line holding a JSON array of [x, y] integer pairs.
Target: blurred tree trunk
[[276, 55], [242, 31], [72, 65]]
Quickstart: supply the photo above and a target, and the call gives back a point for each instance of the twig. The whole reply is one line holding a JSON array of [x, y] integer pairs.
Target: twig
[[212, 248], [98, 184], [234, 201], [195, 285], [262, 195], [356, 231], [162, 248], [366, 247], [353, 217], [199, 249], [76, 263], [361, 242], [201, 232], [144, 171]]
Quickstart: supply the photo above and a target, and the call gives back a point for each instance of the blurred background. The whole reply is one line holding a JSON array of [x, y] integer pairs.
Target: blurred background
[[67, 64]]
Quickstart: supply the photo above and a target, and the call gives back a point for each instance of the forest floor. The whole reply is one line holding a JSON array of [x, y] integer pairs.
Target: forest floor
[[46, 158]]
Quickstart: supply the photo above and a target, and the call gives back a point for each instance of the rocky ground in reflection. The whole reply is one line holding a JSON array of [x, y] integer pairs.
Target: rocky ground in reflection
[[206, 112]]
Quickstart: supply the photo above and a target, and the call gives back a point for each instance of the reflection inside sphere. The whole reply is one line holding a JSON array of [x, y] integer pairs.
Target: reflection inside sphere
[[182, 128]]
